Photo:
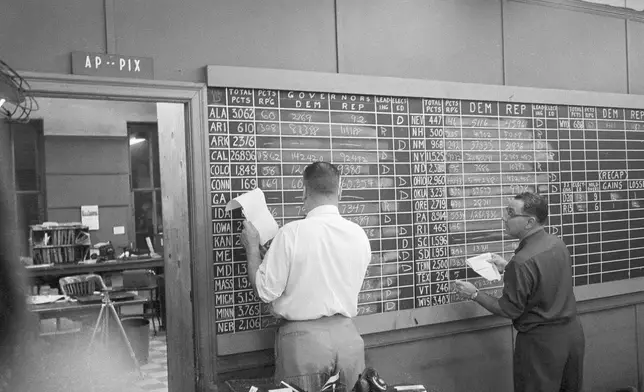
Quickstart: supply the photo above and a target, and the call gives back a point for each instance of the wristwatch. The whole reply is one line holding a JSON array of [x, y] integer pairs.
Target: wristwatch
[[474, 295]]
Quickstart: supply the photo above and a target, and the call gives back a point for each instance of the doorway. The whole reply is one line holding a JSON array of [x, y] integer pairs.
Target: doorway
[[182, 124]]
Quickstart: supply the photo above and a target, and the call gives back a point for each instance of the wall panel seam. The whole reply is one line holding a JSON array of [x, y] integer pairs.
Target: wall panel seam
[[110, 38], [628, 76]]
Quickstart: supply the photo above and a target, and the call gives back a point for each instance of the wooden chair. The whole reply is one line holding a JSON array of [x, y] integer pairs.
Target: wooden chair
[[79, 285]]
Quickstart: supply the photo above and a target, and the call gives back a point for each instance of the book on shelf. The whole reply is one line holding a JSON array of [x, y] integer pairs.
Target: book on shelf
[[59, 243]]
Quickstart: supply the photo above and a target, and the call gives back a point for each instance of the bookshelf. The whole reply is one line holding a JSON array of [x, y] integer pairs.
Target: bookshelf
[[62, 243]]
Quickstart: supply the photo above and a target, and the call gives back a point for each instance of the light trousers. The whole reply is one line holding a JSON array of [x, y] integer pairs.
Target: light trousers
[[327, 345]]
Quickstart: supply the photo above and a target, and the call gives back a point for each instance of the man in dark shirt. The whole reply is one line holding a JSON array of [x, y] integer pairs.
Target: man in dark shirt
[[538, 297]]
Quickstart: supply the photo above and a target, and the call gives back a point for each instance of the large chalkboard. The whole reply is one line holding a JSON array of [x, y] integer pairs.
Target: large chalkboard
[[427, 177]]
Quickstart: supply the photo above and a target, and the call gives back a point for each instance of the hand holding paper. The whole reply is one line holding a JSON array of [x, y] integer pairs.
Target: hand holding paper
[[254, 205], [498, 261], [483, 266]]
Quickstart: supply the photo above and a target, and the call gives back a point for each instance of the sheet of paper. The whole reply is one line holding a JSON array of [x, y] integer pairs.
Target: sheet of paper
[[256, 211], [44, 299], [330, 384], [483, 267]]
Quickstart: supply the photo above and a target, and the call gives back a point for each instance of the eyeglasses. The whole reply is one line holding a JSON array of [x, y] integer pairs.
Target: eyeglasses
[[509, 214]]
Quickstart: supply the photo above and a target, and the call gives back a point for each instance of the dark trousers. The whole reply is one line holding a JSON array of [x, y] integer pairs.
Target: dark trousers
[[326, 345], [550, 358]]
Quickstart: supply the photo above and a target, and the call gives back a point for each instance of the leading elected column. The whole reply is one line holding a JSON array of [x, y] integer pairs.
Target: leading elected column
[[547, 157], [402, 119]]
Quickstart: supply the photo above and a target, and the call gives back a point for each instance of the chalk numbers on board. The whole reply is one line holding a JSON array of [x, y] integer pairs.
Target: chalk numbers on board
[[428, 180]]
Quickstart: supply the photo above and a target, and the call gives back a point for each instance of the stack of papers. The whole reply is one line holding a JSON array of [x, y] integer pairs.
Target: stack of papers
[[483, 267], [410, 388], [44, 299]]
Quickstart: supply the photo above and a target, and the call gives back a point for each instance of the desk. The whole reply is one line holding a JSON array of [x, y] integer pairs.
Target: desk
[[73, 308], [53, 270]]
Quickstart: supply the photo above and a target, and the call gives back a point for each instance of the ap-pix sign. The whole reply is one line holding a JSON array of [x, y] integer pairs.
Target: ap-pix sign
[[112, 65]]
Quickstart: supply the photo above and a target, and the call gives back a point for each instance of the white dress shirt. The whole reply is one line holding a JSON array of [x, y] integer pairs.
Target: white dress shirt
[[315, 267]]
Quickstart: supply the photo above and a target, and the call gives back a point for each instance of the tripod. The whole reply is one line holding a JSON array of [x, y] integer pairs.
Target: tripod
[[102, 324]]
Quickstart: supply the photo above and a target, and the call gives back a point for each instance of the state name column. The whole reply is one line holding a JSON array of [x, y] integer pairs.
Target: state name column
[[221, 220], [419, 179]]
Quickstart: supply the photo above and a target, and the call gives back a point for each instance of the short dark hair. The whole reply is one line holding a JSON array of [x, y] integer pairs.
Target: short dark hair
[[534, 204], [322, 178]]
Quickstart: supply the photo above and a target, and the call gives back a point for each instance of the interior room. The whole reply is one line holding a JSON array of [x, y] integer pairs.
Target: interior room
[[452, 136], [88, 201]]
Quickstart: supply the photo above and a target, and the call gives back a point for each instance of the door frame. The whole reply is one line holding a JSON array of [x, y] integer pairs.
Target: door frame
[[187, 263]]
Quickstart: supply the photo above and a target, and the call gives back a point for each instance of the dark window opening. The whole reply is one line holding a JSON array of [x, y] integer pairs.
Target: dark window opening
[[146, 185], [28, 163]]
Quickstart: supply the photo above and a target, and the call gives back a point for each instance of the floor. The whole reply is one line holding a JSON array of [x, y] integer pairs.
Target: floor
[[109, 368], [155, 372]]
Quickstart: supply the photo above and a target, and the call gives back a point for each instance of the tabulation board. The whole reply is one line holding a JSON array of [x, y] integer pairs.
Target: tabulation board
[[428, 179]]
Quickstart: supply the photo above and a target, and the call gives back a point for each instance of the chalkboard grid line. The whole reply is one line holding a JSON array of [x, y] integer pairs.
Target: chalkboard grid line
[[566, 155]]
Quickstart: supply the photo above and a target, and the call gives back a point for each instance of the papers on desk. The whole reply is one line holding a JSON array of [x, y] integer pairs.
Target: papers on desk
[[410, 388], [255, 210], [483, 267], [44, 299]]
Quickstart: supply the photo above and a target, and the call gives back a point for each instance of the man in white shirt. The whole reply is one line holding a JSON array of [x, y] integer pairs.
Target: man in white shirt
[[311, 274]]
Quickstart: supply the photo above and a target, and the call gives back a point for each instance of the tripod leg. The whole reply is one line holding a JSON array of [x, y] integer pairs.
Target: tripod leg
[[106, 326], [127, 341], [96, 326]]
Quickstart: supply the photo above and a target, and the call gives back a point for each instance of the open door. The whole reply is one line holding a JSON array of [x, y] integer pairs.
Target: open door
[[6, 169]]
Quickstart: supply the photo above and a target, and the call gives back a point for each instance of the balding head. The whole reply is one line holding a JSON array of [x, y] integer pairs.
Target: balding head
[[322, 178], [321, 185]]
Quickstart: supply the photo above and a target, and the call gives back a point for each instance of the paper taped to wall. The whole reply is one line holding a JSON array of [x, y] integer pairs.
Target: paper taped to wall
[[253, 204], [483, 267]]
